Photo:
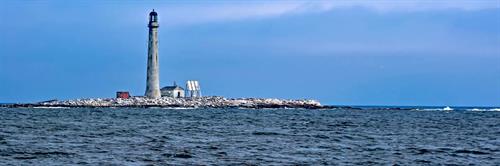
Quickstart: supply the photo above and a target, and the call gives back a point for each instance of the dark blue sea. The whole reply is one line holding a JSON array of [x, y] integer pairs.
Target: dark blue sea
[[155, 136]]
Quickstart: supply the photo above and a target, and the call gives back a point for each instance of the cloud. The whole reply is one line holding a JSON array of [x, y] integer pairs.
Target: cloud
[[193, 12], [202, 13], [412, 5]]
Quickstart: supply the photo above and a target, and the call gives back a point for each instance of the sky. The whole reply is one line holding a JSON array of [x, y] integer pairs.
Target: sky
[[357, 52]]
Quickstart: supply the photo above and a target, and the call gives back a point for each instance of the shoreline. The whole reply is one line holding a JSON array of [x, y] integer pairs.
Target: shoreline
[[187, 103]]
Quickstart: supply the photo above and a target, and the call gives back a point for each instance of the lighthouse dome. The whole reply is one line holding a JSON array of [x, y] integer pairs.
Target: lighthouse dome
[[153, 13]]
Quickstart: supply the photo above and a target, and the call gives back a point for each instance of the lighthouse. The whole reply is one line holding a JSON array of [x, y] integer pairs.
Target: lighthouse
[[153, 78]]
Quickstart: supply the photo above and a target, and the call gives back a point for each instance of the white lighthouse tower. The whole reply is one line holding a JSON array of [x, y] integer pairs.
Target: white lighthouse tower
[[153, 78]]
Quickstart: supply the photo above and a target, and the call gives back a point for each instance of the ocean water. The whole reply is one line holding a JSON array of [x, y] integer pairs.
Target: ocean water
[[122, 136]]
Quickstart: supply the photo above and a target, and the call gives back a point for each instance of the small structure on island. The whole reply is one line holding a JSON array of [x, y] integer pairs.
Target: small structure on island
[[122, 95], [193, 88], [172, 91]]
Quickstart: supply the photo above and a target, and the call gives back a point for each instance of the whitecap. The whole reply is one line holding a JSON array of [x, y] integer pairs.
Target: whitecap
[[49, 107], [484, 109], [495, 109]]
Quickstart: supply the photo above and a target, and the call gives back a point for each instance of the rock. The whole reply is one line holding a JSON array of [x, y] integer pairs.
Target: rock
[[199, 102]]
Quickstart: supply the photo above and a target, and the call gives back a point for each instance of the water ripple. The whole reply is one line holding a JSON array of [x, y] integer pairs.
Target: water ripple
[[124, 136]]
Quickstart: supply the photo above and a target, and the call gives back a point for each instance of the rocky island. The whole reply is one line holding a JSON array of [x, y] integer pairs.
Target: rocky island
[[172, 96], [170, 102]]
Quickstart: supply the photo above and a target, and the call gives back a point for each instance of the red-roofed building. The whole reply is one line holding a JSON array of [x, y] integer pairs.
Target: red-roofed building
[[122, 95]]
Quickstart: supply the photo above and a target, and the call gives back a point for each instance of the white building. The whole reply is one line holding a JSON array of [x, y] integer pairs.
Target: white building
[[172, 91], [193, 88]]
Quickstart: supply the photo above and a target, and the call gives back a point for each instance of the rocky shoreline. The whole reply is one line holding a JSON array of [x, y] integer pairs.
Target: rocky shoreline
[[168, 102]]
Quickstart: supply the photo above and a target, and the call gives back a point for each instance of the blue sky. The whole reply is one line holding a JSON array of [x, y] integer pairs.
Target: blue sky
[[339, 52]]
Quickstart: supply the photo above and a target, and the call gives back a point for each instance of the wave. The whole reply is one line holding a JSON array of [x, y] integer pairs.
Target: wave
[[484, 109], [436, 109], [50, 107], [460, 109], [178, 108]]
